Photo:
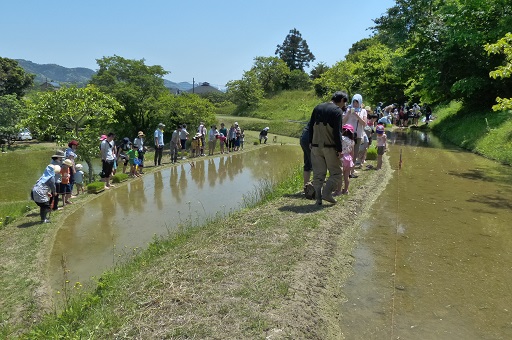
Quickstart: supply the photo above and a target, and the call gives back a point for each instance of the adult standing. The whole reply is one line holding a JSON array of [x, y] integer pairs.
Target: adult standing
[[325, 141], [203, 131], [183, 139], [212, 139], [107, 159], [159, 144], [357, 117], [139, 141], [175, 144], [238, 133]]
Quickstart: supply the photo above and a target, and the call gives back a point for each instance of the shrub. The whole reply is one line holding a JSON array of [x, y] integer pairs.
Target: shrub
[[118, 178], [95, 187]]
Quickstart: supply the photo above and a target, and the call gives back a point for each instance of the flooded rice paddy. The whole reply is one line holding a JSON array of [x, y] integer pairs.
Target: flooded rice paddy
[[435, 257], [121, 222]]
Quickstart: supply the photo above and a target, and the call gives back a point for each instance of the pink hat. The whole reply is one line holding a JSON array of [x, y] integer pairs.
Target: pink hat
[[103, 137], [348, 127]]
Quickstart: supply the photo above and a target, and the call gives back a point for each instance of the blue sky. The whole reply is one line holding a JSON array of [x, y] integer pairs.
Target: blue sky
[[213, 41]]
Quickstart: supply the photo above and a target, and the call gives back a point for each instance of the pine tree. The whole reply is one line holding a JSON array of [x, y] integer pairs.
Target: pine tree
[[295, 51]]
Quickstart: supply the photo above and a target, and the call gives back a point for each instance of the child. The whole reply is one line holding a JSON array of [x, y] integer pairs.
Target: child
[[65, 187], [133, 154], [381, 144], [199, 144], [222, 139], [347, 145], [79, 179]]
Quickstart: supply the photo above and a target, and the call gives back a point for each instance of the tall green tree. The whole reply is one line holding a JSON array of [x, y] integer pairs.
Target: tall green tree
[[502, 46], [295, 51], [246, 93], [298, 80], [13, 78], [82, 114], [443, 44], [271, 72], [136, 86]]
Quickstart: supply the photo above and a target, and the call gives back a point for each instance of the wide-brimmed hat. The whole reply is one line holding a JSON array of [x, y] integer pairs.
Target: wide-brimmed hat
[[161, 124], [68, 162], [198, 135], [79, 166], [59, 153], [380, 128], [103, 137], [348, 127], [141, 134], [126, 140]]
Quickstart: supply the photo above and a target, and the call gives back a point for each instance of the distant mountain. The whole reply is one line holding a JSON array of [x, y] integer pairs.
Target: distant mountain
[[78, 75], [57, 73]]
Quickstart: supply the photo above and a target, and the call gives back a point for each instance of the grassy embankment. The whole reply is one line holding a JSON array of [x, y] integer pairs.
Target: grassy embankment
[[486, 133]]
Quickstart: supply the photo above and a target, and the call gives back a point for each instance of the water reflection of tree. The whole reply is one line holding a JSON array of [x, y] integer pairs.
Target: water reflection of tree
[[158, 189]]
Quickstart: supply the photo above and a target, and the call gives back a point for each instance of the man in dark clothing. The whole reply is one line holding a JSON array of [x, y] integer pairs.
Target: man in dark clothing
[[325, 141]]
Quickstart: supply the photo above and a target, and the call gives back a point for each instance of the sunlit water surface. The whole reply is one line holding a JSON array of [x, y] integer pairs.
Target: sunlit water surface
[[435, 256], [121, 222]]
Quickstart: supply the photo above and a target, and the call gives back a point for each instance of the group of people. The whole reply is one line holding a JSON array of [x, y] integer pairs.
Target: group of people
[[57, 182], [230, 140], [335, 140], [126, 153], [403, 115]]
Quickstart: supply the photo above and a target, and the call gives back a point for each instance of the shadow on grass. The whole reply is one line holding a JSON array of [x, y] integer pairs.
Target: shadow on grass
[[28, 224], [303, 209]]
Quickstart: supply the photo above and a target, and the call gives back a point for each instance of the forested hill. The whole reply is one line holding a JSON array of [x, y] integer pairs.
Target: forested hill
[[77, 75], [57, 73]]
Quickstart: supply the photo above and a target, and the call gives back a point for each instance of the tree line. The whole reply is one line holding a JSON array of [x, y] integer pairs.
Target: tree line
[[424, 51]]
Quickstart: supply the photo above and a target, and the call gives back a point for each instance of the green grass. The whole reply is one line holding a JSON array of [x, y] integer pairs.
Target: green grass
[[10, 211], [484, 132], [285, 113]]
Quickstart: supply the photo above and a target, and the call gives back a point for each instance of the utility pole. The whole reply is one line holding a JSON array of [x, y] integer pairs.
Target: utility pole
[[193, 85]]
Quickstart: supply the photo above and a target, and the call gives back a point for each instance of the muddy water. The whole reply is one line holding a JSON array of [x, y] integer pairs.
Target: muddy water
[[120, 222], [435, 258]]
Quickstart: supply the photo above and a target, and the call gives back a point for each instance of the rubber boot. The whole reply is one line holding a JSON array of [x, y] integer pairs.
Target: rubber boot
[[318, 195], [327, 196]]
